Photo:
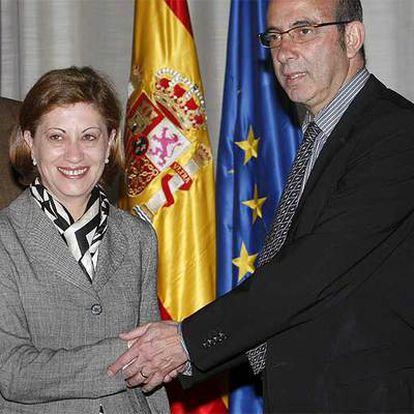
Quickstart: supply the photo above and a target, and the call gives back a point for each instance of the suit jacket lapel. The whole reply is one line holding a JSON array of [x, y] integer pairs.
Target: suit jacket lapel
[[333, 149]]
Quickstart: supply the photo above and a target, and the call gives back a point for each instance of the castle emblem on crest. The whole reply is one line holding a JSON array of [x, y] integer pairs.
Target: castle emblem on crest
[[158, 135]]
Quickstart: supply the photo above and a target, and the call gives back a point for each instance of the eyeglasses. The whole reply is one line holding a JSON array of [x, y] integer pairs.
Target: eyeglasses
[[301, 34]]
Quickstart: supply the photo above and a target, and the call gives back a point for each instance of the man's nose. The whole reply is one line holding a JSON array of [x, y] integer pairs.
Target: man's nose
[[287, 49]]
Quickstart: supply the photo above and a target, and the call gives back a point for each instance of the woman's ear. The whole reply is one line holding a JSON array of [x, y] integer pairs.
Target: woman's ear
[[112, 137], [111, 142], [27, 136]]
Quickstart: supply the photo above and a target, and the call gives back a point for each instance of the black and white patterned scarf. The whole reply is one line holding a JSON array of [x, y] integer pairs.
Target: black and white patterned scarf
[[84, 236]]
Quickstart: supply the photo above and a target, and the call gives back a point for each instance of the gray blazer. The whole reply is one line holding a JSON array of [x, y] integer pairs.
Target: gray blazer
[[59, 332]]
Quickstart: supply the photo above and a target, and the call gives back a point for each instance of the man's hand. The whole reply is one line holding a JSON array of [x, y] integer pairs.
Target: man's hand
[[155, 355]]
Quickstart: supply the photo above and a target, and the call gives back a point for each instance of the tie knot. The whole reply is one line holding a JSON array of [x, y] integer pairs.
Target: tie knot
[[312, 131]]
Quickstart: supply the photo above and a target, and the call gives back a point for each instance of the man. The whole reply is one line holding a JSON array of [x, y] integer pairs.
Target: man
[[332, 298], [9, 188]]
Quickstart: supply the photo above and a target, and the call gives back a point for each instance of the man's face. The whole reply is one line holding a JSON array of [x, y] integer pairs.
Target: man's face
[[311, 73]]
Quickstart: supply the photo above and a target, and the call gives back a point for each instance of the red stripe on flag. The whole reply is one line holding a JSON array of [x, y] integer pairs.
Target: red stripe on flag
[[180, 9], [165, 316], [201, 399], [167, 191]]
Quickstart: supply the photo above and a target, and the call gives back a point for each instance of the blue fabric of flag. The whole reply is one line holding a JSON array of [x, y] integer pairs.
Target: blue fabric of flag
[[255, 108]]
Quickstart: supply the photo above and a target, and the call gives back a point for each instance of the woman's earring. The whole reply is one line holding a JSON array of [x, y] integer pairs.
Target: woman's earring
[[34, 162], [107, 161]]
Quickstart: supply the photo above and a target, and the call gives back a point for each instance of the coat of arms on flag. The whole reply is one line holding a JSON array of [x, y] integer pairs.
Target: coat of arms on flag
[[160, 145]]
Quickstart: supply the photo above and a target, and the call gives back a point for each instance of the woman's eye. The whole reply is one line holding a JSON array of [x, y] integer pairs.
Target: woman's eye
[[55, 137], [89, 137]]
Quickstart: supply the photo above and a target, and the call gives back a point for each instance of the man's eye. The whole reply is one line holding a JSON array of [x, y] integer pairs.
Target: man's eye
[[273, 39], [305, 31]]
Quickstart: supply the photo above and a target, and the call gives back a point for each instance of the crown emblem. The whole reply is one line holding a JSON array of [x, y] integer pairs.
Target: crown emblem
[[180, 98]]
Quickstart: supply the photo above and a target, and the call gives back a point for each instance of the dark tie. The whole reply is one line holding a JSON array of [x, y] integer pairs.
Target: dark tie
[[281, 221]]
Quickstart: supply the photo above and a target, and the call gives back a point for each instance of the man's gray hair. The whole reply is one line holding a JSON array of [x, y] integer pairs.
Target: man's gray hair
[[349, 10]]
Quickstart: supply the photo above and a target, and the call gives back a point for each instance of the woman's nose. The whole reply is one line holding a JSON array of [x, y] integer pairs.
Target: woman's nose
[[73, 151]]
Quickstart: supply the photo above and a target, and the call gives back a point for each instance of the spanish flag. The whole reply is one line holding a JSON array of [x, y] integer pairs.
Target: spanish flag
[[169, 169]]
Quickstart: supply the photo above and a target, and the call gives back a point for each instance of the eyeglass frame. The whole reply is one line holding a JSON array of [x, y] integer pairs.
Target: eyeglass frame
[[314, 25]]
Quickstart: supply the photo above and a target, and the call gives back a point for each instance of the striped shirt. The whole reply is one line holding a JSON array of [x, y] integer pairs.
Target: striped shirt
[[329, 116]]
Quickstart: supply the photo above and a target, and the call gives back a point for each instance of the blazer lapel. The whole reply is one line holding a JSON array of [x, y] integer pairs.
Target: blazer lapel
[[111, 251], [45, 246]]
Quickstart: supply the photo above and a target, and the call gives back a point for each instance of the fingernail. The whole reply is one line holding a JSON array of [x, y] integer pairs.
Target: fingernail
[[109, 373]]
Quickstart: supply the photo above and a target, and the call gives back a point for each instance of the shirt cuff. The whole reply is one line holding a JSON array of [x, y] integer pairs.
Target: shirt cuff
[[188, 371]]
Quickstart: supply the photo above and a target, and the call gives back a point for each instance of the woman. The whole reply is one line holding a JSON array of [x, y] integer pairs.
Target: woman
[[74, 271]]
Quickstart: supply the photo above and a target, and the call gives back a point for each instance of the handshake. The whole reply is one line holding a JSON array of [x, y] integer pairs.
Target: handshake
[[155, 355]]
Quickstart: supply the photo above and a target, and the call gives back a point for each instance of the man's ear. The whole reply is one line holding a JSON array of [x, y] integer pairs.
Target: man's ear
[[354, 38]]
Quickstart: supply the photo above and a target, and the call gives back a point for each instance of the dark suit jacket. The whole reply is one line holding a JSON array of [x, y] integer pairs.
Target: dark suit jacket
[[9, 188], [336, 305]]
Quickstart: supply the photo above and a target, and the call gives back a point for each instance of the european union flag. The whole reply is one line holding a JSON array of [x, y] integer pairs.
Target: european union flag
[[258, 141]]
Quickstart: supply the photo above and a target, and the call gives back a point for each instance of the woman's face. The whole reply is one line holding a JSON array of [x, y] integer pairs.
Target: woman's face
[[70, 146]]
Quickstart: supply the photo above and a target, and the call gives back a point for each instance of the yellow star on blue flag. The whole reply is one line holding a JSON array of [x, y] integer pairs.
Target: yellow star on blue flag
[[255, 204], [250, 146], [244, 262]]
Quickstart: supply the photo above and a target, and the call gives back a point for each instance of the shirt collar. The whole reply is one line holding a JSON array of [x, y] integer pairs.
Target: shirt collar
[[329, 116]]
